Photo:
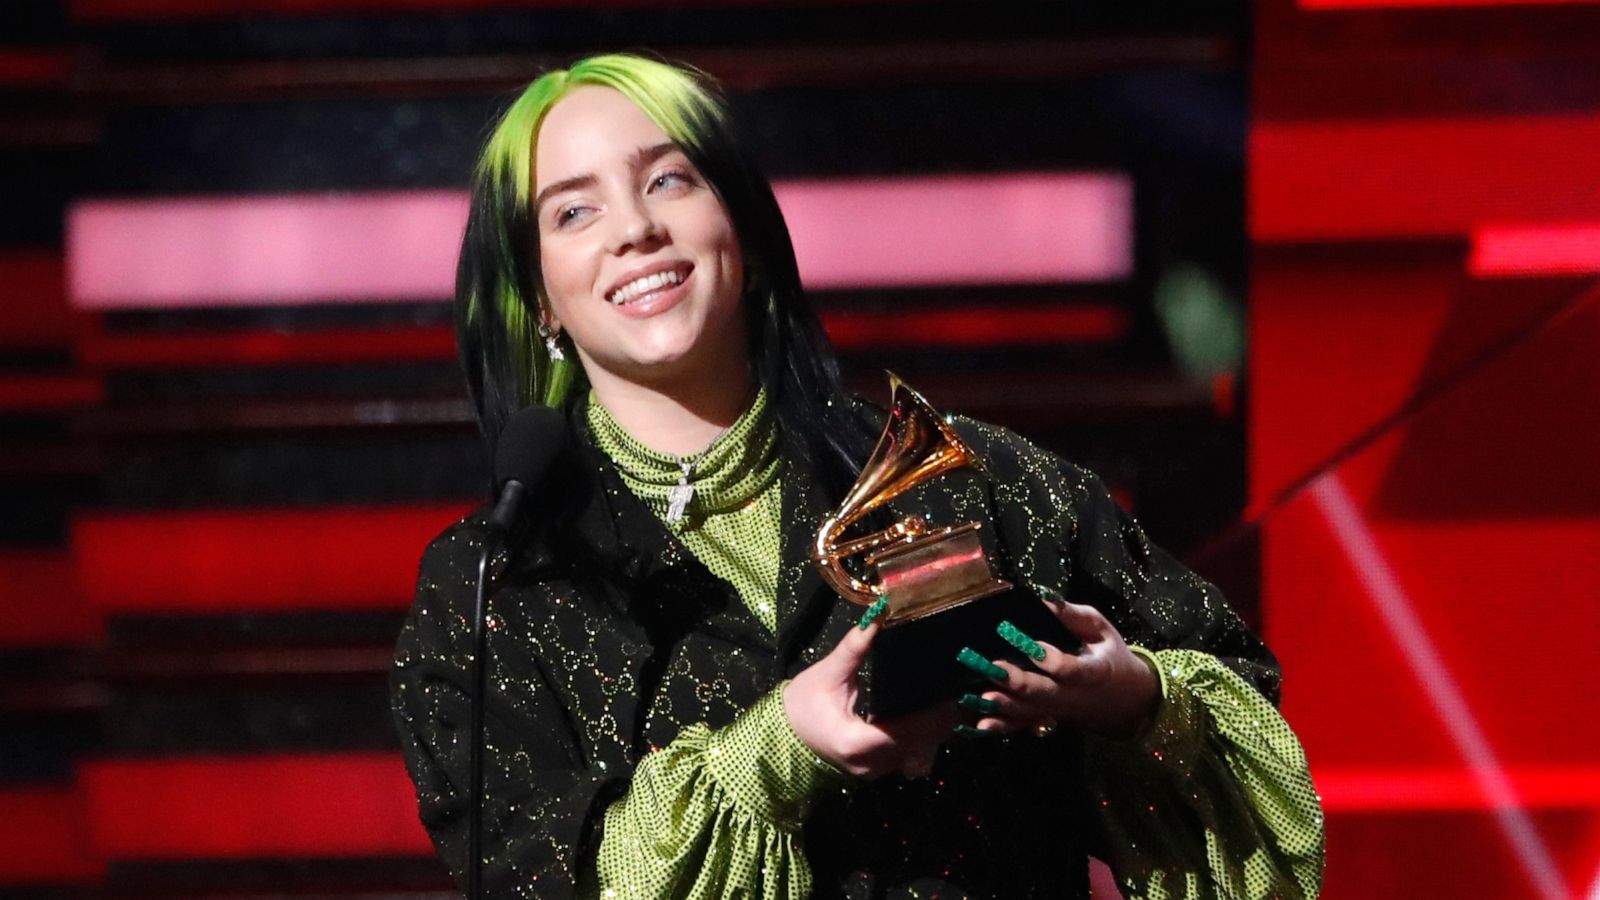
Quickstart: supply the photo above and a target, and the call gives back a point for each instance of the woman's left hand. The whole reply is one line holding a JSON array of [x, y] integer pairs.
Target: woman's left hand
[[1102, 688]]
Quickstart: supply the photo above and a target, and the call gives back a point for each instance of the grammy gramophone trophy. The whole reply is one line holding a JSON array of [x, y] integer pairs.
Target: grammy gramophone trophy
[[942, 593]]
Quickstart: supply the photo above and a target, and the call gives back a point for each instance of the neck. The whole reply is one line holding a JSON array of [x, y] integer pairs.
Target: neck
[[681, 419]]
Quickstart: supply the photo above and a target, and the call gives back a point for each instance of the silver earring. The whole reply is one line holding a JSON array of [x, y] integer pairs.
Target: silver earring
[[552, 346]]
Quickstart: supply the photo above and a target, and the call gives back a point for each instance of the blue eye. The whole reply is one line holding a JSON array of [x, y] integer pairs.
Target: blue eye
[[568, 215], [670, 178]]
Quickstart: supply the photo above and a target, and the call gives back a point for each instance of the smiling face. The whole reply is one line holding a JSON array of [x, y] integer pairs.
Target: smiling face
[[640, 262]]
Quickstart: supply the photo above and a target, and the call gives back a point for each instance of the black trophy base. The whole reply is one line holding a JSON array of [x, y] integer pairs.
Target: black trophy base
[[913, 665]]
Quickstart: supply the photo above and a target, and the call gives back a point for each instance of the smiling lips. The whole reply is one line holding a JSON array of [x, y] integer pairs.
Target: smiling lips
[[650, 282]]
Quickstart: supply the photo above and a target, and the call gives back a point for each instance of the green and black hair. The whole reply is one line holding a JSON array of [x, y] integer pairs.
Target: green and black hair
[[499, 285]]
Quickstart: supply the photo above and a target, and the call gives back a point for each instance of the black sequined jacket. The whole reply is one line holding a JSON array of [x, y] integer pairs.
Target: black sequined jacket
[[607, 637]]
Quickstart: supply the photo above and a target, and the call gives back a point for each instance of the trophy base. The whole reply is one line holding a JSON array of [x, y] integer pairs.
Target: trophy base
[[914, 665]]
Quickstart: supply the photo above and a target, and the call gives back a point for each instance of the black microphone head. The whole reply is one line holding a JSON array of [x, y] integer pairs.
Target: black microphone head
[[529, 443]]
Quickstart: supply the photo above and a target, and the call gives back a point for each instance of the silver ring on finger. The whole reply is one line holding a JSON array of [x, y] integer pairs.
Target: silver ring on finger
[[1045, 729]]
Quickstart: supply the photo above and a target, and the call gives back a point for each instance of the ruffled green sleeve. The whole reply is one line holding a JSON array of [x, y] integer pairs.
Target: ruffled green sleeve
[[717, 813], [1214, 799]]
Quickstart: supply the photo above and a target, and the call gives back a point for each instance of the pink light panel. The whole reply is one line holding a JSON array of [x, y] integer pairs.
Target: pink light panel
[[242, 251], [961, 230], [381, 247]]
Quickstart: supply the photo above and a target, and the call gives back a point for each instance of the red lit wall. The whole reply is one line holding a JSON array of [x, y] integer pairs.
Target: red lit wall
[[1424, 379]]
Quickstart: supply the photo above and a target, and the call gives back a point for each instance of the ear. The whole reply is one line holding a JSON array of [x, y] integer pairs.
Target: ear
[[548, 323]]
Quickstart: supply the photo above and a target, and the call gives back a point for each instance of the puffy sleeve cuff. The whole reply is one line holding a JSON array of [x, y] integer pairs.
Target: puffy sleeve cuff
[[764, 766], [1173, 737], [717, 813], [1214, 797]]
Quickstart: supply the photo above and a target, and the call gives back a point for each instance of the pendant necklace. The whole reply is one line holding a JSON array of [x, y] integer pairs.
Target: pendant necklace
[[678, 498], [681, 493]]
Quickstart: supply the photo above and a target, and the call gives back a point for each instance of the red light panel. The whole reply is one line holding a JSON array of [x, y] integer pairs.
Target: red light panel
[[22, 393], [254, 807], [1428, 4], [120, 10], [332, 346], [342, 558], [1539, 249], [45, 833], [987, 327], [27, 578], [1419, 178]]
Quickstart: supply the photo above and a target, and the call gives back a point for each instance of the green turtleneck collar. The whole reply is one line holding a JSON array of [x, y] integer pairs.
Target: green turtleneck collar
[[741, 463]]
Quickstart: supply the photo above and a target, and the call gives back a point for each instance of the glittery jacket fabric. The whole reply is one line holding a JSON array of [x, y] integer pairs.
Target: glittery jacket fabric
[[608, 638]]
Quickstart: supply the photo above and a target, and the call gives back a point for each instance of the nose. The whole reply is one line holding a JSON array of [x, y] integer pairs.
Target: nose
[[632, 225]]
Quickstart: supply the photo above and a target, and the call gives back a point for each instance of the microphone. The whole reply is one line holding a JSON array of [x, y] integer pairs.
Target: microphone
[[528, 444], [532, 440]]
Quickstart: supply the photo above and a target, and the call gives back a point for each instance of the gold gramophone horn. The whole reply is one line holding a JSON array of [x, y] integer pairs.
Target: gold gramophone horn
[[921, 571]]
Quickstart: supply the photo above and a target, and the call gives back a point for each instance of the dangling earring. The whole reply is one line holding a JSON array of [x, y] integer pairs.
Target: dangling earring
[[552, 345]]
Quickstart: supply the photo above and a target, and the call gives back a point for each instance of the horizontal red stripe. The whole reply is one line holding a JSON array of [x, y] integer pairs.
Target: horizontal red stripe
[[34, 68], [118, 10], [35, 311], [332, 346], [1519, 250], [989, 327], [1377, 790], [45, 833], [41, 603], [1024, 228], [1419, 178], [1404, 4], [218, 560], [966, 327], [48, 393], [232, 807]]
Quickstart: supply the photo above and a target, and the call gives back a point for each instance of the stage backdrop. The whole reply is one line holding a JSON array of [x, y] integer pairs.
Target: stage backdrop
[[1424, 327]]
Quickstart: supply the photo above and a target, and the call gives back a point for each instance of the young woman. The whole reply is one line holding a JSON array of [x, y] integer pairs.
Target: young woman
[[672, 689]]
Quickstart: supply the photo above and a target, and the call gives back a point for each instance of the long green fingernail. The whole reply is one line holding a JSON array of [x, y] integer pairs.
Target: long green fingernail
[[967, 731], [1047, 593], [978, 704], [973, 660], [1014, 636], [873, 611]]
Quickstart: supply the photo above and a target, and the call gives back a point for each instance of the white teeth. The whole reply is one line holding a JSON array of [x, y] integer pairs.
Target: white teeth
[[645, 285]]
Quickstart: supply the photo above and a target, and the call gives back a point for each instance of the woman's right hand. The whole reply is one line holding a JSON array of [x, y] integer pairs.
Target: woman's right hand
[[820, 703]]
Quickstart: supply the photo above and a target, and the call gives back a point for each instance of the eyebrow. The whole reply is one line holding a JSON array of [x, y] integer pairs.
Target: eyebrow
[[642, 157]]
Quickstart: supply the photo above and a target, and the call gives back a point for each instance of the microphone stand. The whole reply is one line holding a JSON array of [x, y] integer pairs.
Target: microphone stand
[[499, 526], [480, 647]]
